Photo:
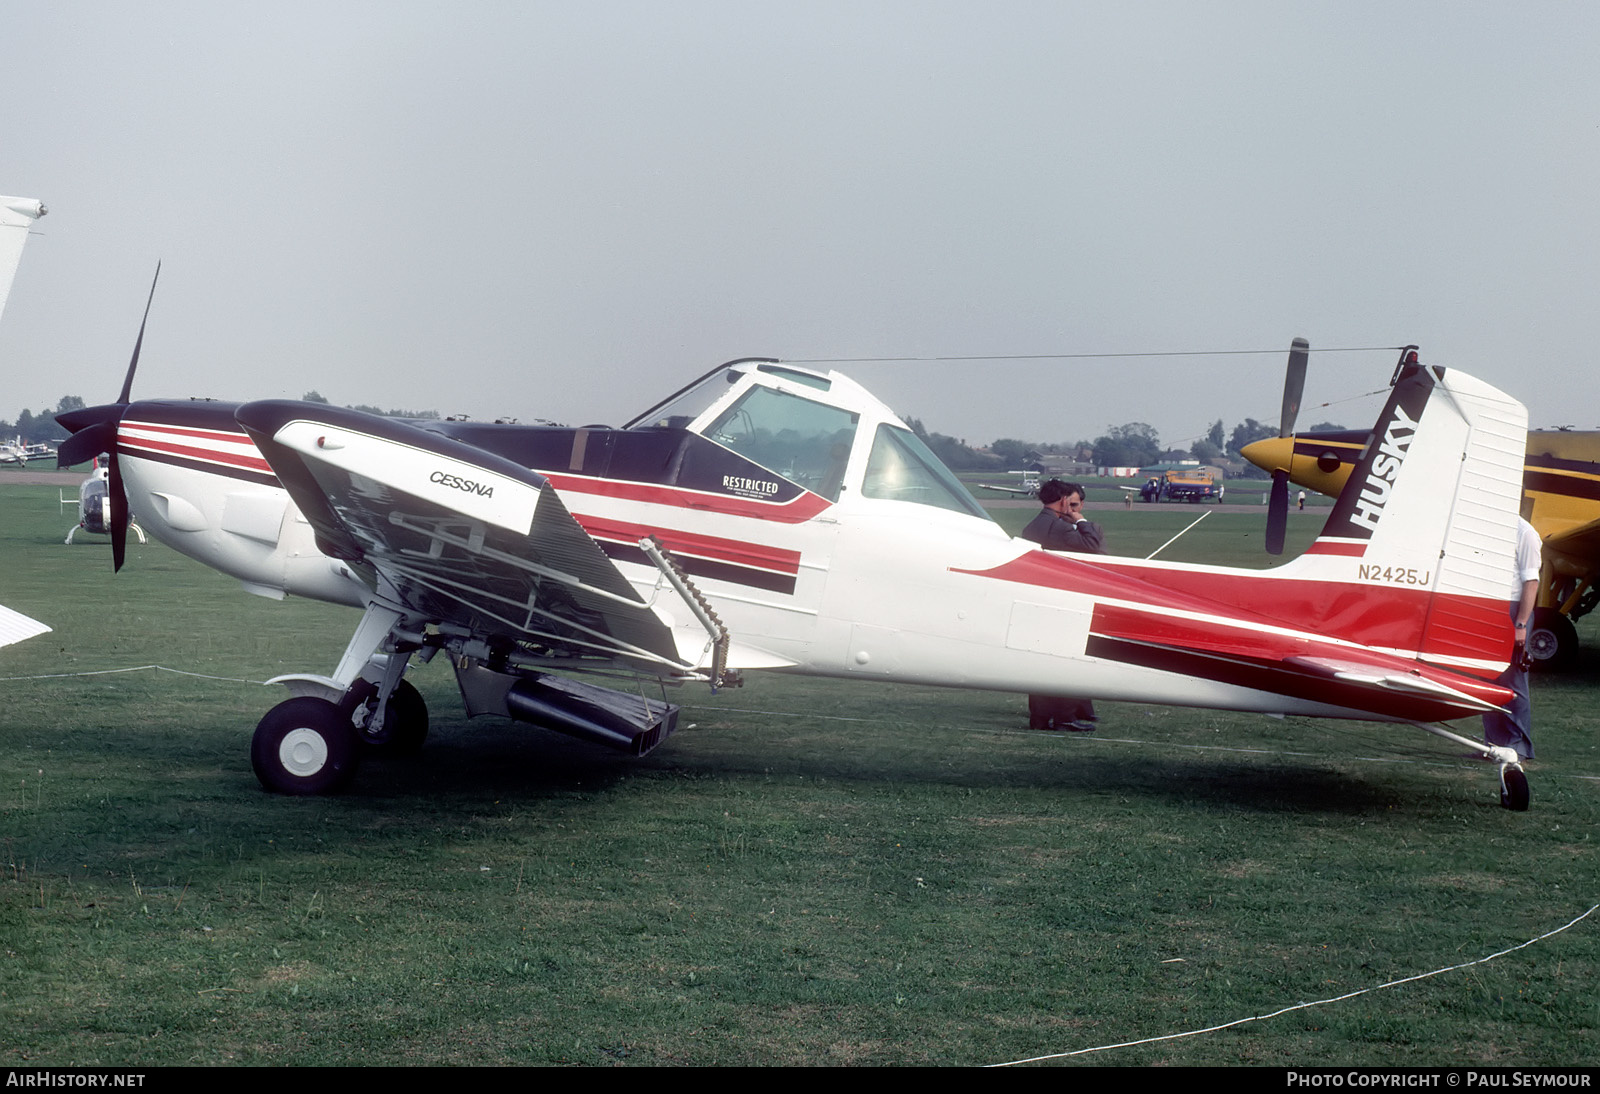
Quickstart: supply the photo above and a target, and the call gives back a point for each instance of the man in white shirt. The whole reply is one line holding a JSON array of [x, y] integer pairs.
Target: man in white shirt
[[1512, 727]]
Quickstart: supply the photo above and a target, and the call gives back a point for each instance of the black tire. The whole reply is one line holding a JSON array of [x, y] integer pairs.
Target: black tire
[[1514, 790], [304, 746], [405, 725], [1552, 641]]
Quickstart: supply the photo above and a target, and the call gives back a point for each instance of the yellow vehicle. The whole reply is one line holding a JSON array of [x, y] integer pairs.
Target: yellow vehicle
[[1189, 483], [1193, 484], [1560, 498]]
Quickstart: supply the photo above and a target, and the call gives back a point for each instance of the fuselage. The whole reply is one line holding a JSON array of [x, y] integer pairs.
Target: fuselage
[[830, 541]]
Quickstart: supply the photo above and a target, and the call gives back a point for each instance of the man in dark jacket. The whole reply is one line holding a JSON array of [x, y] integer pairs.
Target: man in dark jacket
[[1060, 527]]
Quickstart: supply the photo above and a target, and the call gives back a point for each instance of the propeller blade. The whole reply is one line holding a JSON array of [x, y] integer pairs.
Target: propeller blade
[[94, 430], [1277, 512], [1294, 382], [89, 438], [133, 364], [119, 515]]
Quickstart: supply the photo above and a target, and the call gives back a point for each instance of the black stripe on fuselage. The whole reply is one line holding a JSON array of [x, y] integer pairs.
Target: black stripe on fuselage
[[1273, 677]]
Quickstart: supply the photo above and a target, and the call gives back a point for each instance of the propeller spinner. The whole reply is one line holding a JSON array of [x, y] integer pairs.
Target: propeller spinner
[[94, 430]]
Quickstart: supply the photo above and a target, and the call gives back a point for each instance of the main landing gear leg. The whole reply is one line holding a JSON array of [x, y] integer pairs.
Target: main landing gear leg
[[312, 743], [1513, 780], [390, 714]]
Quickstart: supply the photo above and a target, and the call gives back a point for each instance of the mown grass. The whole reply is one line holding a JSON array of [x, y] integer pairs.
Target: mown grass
[[809, 872]]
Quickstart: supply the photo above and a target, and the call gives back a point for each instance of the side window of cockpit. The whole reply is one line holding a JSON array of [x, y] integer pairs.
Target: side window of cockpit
[[807, 443], [901, 468]]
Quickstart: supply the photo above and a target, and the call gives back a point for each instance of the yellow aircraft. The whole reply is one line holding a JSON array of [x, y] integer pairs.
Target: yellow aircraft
[[1560, 498]]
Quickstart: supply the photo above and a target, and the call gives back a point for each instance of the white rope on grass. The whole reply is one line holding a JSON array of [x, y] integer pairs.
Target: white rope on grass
[[1299, 1006], [133, 668]]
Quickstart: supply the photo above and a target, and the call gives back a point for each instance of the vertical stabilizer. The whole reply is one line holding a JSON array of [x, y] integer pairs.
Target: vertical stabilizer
[[1429, 515], [16, 217]]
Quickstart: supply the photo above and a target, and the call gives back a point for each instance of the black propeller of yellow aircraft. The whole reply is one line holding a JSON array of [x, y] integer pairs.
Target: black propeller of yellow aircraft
[[1294, 382]]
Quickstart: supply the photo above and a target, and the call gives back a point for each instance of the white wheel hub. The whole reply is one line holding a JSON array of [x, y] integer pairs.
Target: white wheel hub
[[303, 752]]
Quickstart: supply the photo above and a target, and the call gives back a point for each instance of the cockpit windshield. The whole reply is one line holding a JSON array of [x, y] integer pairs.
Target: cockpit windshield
[[688, 404], [902, 468], [807, 443]]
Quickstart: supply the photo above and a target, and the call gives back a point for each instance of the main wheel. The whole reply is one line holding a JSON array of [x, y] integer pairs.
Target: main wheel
[[1514, 789], [304, 746], [405, 723], [1552, 641]]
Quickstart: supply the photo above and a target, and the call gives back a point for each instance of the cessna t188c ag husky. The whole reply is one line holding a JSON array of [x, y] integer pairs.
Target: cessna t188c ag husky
[[768, 517]]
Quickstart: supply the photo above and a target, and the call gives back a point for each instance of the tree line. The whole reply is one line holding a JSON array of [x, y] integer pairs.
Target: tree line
[[41, 427], [1133, 444]]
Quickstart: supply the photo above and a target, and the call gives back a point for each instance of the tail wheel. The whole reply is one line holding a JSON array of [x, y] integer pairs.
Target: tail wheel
[[1552, 641], [405, 723], [1514, 789], [304, 746]]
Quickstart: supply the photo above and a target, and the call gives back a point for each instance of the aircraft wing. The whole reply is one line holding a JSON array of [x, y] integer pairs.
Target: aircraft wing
[[1027, 493], [457, 536], [1582, 541], [15, 627], [16, 217]]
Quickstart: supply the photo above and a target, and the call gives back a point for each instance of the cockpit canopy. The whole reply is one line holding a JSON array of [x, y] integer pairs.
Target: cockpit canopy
[[819, 432]]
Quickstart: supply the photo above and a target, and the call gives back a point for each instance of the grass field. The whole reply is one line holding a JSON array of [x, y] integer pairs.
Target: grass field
[[810, 872]]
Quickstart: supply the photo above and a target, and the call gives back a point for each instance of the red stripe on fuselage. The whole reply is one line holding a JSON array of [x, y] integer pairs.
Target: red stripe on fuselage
[[1372, 615], [252, 462], [796, 511], [231, 436], [1337, 547], [754, 555]]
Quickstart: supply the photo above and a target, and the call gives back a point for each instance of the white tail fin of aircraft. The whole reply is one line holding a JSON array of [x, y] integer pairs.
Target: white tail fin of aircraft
[[770, 517]]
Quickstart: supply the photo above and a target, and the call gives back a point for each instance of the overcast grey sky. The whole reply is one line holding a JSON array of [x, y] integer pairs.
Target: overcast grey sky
[[565, 210]]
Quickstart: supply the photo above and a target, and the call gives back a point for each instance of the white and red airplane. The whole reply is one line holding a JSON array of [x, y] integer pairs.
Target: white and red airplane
[[770, 517]]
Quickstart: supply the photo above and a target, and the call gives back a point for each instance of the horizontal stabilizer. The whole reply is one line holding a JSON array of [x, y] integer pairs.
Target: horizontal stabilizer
[[1353, 672], [1318, 669]]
